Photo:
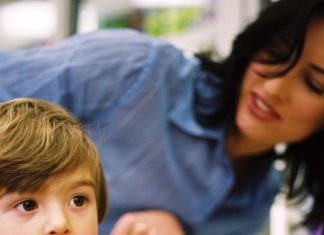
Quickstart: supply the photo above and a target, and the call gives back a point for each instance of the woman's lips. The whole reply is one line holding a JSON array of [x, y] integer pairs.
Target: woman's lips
[[261, 109]]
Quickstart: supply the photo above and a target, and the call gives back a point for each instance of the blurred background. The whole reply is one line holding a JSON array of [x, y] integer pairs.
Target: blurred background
[[192, 25]]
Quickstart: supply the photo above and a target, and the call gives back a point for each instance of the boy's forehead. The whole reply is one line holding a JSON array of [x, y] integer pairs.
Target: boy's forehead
[[76, 178], [64, 181], [59, 184]]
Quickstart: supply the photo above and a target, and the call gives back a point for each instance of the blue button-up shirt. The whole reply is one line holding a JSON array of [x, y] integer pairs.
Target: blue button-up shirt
[[134, 94]]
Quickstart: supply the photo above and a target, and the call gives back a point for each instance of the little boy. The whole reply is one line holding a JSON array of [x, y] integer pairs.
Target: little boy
[[51, 179]]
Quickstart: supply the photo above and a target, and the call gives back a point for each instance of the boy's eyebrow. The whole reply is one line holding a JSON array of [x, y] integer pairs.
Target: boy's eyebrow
[[80, 183], [317, 68], [75, 184]]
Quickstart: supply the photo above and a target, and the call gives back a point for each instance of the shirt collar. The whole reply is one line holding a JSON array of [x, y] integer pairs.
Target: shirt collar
[[182, 115]]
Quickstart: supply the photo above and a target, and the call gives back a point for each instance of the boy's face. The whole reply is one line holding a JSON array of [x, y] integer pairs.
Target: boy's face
[[65, 205]]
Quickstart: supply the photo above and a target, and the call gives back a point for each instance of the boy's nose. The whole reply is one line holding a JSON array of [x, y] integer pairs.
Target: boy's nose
[[58, 223]]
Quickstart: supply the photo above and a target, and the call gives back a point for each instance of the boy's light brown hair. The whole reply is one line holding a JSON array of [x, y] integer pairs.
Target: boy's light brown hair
[[39, 140]]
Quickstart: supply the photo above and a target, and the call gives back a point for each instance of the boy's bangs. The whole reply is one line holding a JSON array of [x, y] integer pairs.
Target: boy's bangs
[[31, 172], [36, 144]]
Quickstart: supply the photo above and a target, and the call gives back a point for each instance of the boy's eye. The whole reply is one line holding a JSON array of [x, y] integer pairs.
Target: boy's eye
[[27, 205], [78, 201]]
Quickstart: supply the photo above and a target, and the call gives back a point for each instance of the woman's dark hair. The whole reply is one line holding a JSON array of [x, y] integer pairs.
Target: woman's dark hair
[[279, 32]]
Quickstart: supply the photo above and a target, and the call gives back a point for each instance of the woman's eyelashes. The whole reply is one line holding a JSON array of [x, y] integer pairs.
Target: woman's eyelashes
[[314, 85], [269, 71]]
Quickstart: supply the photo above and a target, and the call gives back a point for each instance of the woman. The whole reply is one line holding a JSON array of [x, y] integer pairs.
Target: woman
[[187, 144]]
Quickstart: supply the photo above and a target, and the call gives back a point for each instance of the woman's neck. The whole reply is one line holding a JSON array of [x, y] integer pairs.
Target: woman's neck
[[240, 146]]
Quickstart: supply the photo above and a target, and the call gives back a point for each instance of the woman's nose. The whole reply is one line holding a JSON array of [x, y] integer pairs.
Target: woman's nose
[[58, 222], [278, 88]]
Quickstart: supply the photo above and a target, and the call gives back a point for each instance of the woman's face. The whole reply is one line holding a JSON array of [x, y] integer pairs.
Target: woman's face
[[287, 108]]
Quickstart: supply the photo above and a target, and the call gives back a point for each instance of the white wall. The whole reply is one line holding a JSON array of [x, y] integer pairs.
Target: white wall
[[231, 17]]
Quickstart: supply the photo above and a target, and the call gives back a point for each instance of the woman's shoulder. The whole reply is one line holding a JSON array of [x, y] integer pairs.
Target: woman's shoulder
[[124, 43], [125, 48]]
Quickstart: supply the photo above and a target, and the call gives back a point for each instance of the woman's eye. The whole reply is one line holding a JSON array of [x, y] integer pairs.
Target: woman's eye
[[26, 206], [314, 86], [78, 201], [268, 71]]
